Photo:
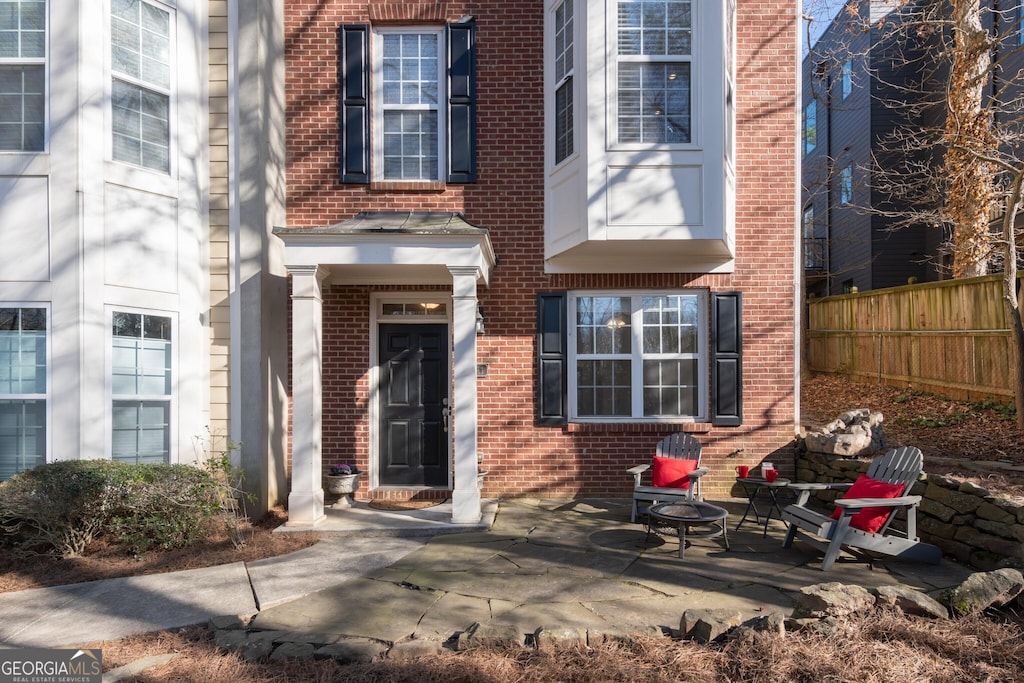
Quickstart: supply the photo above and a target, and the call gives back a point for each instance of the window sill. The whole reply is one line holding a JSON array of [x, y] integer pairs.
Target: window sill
[[407, 186], [638, 427]]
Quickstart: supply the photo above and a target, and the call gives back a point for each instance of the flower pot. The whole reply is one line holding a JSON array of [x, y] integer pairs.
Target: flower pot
[[342, 485]]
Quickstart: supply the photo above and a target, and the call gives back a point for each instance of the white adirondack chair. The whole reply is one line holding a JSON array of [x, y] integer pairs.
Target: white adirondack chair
[[682, 446], [898, 466]]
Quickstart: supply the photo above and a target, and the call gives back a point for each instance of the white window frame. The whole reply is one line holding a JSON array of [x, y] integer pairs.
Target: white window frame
[[637, 357], [47, 395], [615, 59], [377, 90], [171, 397], [43, 62], [565, 79], [170, 91]]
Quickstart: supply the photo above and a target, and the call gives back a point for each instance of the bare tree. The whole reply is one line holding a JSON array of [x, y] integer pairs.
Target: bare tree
[[953, 78]]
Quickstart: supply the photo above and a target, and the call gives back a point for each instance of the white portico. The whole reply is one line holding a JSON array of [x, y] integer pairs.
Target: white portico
[[385, 248]]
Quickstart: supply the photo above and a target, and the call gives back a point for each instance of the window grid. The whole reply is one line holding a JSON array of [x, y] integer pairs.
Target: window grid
[[638, 356], [22, 75], [654, 45], [410, 87], [23, 389], [140, 91], [564, 61], [141, 386]]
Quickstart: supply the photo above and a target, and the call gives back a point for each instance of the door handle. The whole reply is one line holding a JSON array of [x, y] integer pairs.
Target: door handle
[[445, 412]]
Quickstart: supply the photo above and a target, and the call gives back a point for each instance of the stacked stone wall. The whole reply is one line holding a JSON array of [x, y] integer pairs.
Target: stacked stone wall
[[970, 523]]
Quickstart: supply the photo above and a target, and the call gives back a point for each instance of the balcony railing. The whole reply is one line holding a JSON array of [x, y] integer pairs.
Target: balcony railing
[[815, 253]]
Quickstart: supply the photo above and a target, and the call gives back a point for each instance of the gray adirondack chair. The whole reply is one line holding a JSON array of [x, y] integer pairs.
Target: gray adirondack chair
[[897, 466], [680, 445]]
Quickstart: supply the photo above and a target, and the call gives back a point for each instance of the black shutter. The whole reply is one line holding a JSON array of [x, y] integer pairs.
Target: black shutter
[[727, 359], [354, 107], [552, 360], [462, 102]]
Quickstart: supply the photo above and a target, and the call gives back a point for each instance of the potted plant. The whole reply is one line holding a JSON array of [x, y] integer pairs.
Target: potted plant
[[343, 480]]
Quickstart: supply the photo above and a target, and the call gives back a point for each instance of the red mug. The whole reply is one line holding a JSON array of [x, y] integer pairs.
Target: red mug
[[771, 475], [743, 471]]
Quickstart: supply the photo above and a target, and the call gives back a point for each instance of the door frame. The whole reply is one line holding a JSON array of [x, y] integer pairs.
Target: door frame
[[377, 301]]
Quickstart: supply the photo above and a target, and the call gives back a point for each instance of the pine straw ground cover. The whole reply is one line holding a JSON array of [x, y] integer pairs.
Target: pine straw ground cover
[[882, 648]]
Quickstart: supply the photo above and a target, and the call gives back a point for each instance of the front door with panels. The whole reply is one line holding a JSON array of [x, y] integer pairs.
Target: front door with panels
[[413, 405]]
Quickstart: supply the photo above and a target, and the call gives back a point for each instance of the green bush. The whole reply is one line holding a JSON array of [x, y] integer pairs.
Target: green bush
[[61, 507]]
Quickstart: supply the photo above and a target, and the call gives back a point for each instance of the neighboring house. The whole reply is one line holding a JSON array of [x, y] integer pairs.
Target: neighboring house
[[855, 233], [104, 321], [848, 75]]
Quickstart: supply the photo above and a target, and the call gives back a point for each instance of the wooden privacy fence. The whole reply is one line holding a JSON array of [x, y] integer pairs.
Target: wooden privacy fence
[[950, 338]]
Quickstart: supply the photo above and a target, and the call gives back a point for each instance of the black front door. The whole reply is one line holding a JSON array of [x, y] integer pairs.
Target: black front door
[[413, 405]]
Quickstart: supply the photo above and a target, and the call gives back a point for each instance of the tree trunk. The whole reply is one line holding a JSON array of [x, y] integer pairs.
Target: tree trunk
[[969, 139], [1010, 298]]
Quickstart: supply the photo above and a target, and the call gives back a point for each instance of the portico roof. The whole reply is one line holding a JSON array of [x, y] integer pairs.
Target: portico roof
[[392, 247]]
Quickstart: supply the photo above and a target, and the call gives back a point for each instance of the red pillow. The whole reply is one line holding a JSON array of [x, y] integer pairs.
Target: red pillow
[[672, 473], [870, 519]]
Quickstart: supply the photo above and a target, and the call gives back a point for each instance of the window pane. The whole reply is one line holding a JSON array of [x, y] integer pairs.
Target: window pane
[[563, 121], [603, 388], [22, 107], [140, 42], [410, 92], [410, 145], [22, 436], [141, 126], [141, 431], [654, 103], [654, 27]]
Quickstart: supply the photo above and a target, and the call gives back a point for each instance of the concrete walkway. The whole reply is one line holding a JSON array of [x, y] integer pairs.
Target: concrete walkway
[[555, 564]]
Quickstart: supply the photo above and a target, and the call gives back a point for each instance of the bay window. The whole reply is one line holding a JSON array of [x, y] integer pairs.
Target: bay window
[[653, 61]]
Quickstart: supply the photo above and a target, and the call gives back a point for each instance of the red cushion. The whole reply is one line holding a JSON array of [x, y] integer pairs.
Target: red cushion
[[672, 473], [870, 519]]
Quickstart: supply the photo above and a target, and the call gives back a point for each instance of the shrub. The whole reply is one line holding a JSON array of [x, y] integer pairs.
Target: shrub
[[61, 507]]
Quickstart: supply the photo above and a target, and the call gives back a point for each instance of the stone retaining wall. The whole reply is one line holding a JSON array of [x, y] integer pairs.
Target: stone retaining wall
[[968, 522]]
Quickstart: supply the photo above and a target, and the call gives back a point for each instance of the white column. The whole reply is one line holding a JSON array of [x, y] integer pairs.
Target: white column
[[306, 500], [466, 495]]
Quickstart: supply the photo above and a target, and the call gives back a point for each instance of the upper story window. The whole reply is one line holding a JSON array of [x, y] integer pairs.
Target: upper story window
[[420, 94], [846, 79], [140, 58], [846, 185], [410, 92], [22, 75], [810, 127], [23, 389], [564, 57], [653, 62]]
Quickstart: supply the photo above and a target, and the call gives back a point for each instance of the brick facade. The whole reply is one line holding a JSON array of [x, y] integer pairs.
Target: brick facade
[[521, 458]]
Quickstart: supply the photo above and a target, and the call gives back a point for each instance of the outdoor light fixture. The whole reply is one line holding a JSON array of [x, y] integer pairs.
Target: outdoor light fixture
[[479, 319]]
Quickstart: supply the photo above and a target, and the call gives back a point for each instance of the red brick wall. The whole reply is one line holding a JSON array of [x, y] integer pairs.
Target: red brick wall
[[508, 200]]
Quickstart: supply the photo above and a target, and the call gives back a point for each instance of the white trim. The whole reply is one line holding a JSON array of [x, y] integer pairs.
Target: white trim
[[376, 319], [234, 236], [377, 95], [694, 59], [48, 395], [171, 91], [173, 454], [636, 355]]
